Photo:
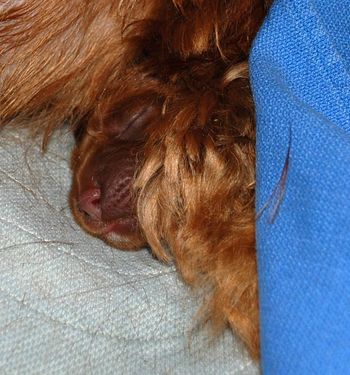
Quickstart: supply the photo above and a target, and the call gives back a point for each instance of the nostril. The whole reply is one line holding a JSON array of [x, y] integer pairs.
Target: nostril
[[89, 203]]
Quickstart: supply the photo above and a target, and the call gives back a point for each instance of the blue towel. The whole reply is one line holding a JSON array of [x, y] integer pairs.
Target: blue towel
[[300, 65]]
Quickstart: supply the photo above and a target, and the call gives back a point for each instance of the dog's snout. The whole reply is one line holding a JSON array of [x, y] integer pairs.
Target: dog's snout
[[116, 196], [89, 203]]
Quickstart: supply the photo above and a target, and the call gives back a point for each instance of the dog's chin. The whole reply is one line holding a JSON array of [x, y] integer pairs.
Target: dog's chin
[[121, 233]]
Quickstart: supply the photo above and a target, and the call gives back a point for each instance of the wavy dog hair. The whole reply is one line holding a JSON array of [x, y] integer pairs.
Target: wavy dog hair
[[82, 61]]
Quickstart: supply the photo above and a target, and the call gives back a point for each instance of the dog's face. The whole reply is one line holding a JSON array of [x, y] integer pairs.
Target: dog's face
[[165, 136], [107, 154]]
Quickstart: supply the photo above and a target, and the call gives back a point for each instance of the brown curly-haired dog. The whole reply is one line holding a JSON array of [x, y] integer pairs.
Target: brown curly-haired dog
[[159, 96]]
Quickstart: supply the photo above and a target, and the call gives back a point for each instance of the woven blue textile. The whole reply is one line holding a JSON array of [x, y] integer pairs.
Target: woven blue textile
[[300, 66]]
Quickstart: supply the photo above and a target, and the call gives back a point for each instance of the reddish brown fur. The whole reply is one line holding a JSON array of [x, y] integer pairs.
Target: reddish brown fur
[[86, 61]]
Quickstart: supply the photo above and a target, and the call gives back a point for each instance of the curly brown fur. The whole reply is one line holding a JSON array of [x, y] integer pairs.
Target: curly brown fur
[[159, 96]]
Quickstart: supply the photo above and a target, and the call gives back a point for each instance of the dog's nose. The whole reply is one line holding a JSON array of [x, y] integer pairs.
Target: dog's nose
[[89, 202]]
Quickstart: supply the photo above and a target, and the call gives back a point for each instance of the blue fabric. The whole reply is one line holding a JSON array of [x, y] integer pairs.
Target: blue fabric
[[300, 65]]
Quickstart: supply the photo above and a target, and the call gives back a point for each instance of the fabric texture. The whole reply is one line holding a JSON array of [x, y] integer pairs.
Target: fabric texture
[[70, 304], [300, 76]]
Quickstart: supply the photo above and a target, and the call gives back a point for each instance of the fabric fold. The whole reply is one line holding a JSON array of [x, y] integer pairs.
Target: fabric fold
[[299, 70]]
